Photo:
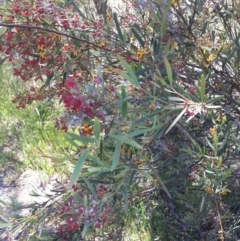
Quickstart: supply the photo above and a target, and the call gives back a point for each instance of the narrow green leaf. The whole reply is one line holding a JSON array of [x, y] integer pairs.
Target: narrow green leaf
[[125, 36], [132, 64], [188, 135], [176, 99], [71, 141], [215, 141], [164, 19], [126, 140], [137, 36], [105, 164], [189, 96], [86, 175], [125, 198], [120, 35], [145, 174], [82, 139], [176, 120], [125, 104], [227, 134], [213, 100], [122, 173], [123, 100], [93, 158], [202, 203], [198, 6], [101, 149], [167, 48], [5, 225], [161, 80], [125, 76], [206, 48], [85, 228], [77, 197], [202, 87], [133, 173], [105, 12], [77, 169], [169, 70], [162, 184], [120, 184], [2, 202], [147, 117], [129, 70], [85, 201], [98, 169], [210, 144], [91, 188], [116, 155], [140, 132], [97, 128], [77, 9]]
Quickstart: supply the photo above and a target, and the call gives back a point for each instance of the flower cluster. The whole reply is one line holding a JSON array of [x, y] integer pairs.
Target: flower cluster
[[176, 3], [139, 162], [142, 53], [73, 215]]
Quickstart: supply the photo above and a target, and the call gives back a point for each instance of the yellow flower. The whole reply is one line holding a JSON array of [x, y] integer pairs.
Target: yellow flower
[[155, 181], [40, 48], [219, 86], [227, 46], [144, 160], [209, 190], [57, 37], [149, 28], [213, 131], [109, 16], [176, 3], [210, 58], [103, 44], [220, 235], [166, 209], [74, 54], [151, 106], [67, 47], [140, 165], [87, 129], [141, 53], [110, 69], [32, 231], [223, 193], [125, 128], [147, 49], [43, 55]]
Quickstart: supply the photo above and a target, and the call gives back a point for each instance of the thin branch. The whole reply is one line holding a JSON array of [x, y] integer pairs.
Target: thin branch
[[10, 25]]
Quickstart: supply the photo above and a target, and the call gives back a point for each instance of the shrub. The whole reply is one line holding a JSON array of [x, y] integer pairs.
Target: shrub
[[151, 99]]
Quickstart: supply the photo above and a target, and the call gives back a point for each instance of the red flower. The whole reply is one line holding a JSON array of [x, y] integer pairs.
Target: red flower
[[83, 27], [70, 83], [89, 112], [16, 72], [98, 80], [97, 225], [73, 226], [65, 24], [190, 112], [79, 103], [16, 9], [73, 102], [9, 35]]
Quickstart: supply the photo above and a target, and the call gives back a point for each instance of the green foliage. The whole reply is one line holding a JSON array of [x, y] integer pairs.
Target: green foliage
[[28, 130]]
